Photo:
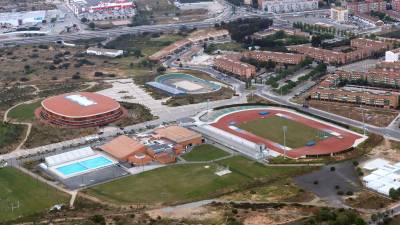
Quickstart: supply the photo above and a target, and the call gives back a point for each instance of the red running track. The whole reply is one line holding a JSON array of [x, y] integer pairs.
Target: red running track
[[327, 146]]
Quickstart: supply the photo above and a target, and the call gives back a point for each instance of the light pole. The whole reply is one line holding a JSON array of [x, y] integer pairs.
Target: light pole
[[284, 128]]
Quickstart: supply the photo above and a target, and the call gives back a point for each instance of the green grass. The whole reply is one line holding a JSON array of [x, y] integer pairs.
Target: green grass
[[270, 128], [33, 196], [24, 112], [230, 46], [205, 152], [9, 134], [147, 44], [189, 182]]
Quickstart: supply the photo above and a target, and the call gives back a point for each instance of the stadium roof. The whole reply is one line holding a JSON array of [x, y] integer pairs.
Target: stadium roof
[[122, 147], [166, 88], [78, 105], [177, 134]]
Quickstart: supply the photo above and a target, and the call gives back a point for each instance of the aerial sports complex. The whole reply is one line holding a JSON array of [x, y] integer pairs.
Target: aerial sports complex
[[263, 131], [177, 84]]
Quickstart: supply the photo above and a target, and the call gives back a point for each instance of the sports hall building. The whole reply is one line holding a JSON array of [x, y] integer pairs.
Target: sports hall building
[[79, 110]]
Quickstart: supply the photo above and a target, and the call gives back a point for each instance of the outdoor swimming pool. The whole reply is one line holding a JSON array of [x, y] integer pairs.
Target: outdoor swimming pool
[[85, 165]]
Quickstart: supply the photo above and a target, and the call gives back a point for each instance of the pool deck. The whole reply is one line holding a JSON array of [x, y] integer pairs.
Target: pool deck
[[54, 169]]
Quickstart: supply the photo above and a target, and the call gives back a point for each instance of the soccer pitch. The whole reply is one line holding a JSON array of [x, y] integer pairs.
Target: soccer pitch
[[271, 128], [22, 195]]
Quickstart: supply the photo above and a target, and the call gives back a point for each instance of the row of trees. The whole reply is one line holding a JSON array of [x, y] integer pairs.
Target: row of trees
[[317, 29], [278, 41], [317, 72], [282, 74], [241, 29]]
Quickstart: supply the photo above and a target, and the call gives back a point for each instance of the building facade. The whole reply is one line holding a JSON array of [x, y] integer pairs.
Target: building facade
[[339, 14], [234, 66], [278, 57], [366, 6], [364, 48], [92, 6], [328, 90], [197, 38], [285, 6]]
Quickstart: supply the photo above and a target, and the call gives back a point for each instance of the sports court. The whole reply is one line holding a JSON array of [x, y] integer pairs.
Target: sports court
[[285, 131], [182, 83], [296, 134]]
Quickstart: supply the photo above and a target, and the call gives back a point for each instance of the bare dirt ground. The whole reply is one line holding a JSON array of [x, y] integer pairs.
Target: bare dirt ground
[[388, 149], [367, 200], [197, 213], [374, 116], [274, 217]]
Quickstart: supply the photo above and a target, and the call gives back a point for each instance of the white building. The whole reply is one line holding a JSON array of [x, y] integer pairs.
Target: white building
[[383, 177], [339, 14], [15, 19], [104, 52], [285, 6], [392, 55], [92, 6]]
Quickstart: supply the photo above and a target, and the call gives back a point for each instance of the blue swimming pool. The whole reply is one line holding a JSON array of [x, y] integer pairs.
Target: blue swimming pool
[[82, 166]]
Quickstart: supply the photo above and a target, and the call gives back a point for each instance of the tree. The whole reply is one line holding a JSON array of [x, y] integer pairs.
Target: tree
[[92, 25], [316, 41], [161, 69], [98, 219]]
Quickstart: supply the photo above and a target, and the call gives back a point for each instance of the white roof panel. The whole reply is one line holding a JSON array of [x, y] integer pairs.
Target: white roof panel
[[375, 164], [81, 100]]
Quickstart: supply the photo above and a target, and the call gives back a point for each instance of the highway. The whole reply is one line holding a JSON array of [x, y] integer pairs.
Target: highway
[[87, 34]]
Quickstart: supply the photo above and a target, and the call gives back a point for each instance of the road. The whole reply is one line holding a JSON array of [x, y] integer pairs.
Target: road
[[85, 34]]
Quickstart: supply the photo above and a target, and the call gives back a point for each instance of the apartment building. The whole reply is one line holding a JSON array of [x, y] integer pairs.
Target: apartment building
[[234, 66], [327, 90], [286, 6], [396, 5], [197, 38], [339, 14], [364, 49], [319, 54], [366, 6], [382, 99], [389, 66], [278, 57], [372, 76]]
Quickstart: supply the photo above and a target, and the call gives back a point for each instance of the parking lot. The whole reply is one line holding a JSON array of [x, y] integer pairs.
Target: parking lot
[[326, 183]]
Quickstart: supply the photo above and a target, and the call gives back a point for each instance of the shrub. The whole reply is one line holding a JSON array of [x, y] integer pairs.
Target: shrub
[[98, 219]]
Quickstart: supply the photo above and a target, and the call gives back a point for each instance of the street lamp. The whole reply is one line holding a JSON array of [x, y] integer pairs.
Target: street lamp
[[284, 128]]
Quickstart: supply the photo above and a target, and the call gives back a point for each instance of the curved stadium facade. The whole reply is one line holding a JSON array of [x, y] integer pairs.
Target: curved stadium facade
[[79, 110]]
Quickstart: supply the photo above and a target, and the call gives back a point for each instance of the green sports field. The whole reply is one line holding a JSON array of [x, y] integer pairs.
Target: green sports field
[[190, 182], [33, 196], [204, 152], [271, 128]]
